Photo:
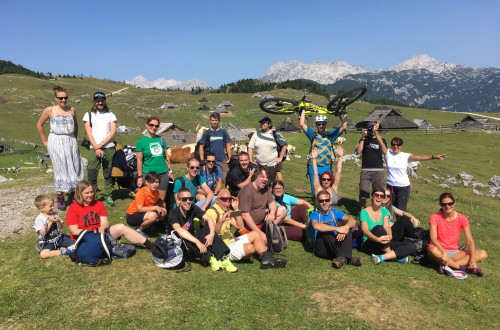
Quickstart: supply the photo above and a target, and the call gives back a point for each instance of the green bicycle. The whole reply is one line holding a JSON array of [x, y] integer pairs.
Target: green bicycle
[[337, 106]]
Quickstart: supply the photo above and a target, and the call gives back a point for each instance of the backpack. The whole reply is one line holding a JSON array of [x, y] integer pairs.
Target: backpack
[[421, 243], [196, 181], [329, 137], [276, 238], [279, 146], [119, 250], [91, 249], [309, 228], [167, 252], [233, 162], [52, 236], [206, 147]]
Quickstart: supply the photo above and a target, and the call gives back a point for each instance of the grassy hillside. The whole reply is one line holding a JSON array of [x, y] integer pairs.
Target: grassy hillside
[[133, 293]]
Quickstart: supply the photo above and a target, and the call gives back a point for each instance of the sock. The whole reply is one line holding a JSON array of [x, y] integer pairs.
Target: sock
[[148, 244], [462, 268]]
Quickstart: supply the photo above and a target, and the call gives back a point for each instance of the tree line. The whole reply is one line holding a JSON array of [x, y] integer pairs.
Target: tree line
[[7, 67], [254, 86]]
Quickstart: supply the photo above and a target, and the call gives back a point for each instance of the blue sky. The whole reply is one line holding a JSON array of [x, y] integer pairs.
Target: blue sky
[[224, 41]]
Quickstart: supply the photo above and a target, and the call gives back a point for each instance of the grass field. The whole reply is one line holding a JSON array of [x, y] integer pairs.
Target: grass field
[[133, 293]]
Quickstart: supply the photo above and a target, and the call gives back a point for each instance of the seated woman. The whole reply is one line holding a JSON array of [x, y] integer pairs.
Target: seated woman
[[377, 233], [144, 211], [89, 214], [327, 181], [296, 224], [445, 234], [406, 224], [331, 231]]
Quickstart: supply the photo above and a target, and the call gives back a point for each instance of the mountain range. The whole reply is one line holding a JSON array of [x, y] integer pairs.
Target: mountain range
[[169, 84], [420, 81]]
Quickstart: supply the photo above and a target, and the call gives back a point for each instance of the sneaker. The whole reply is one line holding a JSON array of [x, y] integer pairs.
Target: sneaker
[[110, 201], [70, 199], [338, 262], [403, 260], [356, 261], [268, 261], [228, 265], [61, 204], [458, 274], [69, 250], [141, 232], [214, 263], [376, 259], [475, 271], [440, 269]]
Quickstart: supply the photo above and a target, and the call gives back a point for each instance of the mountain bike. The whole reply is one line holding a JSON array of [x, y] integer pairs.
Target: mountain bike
[[337, 106]]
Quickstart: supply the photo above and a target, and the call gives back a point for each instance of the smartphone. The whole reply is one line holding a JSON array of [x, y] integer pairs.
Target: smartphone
[[235, 213]]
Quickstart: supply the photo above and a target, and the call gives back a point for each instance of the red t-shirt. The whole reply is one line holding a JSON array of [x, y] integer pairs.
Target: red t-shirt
[[448, 232], [86, 217], [143, 197]]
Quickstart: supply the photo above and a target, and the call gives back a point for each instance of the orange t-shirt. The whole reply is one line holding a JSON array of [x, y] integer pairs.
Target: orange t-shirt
[[143, 197]]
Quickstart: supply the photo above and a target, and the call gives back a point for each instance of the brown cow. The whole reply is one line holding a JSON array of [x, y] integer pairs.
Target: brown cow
[[180, 154]]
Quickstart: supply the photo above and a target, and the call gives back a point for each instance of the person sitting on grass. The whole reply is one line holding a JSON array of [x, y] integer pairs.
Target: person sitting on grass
[[402, 223], [193, 181], [144, 210], [445, 227], [183, 220], [87, 213], [331, 231], [295, 220], [377, 234], [224, 213], [48, 226]]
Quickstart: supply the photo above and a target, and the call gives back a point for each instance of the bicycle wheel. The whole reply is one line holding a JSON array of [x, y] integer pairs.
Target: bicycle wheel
[[277, 106], [335, 106]]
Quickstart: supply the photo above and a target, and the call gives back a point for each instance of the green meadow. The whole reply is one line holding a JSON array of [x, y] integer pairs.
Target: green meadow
[[309, 293]]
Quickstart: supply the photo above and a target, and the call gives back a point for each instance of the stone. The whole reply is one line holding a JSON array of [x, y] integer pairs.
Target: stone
[[494, 181], [477, 192], [435, 176], [444, 186], [465, 176]]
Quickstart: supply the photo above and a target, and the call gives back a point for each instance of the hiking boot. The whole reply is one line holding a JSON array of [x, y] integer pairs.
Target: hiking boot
[[339, 262], [458, 274], [214, 263], [475, 271], [268, 261], [61, 204], [403, 260], [228, 265], [70, 198], [356, 261], [377, 259], [109, 201], [440, 269], [141, 232]]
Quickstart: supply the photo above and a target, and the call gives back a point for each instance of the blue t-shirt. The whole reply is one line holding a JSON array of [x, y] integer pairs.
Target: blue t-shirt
[[323, 142], [191, 185], [216, 143], [288, 202], [326, 219], [211, 178]]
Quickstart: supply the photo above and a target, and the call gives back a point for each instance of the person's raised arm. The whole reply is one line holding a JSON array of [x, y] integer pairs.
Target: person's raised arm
[[383, 147], [316, 183], [302, 121], [340, 153], [359, 148]]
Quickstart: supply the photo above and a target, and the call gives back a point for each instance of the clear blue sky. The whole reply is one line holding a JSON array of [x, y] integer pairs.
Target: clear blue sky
[[224, 41]]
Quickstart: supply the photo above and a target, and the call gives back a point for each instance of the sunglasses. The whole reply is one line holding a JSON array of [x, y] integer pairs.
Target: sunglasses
[[62, 98], [326, 179], [387, 196], [379, 195], [324, 200], [186, 199], [320, 124], [194, 167], [153, 125], [396, 144], [210, 161], [447, 204], [225, 199]]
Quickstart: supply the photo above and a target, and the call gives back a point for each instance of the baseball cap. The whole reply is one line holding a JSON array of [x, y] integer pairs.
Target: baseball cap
[[265, 120], [99, 95]]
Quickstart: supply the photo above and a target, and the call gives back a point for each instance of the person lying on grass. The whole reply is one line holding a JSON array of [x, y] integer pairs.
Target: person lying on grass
[[90, 214], [332, 233], [377, 233], [198, 241], [445, 227], [144, 210], [48, 226], [224, 214]]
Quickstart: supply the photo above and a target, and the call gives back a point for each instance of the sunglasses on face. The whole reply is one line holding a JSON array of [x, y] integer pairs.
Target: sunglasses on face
[[225, 199], [387, 196], [396, 144], [379, 195], [447, 204], [320, 124], [324, 200], [194, 167], [62, 98], [326, 179], [211, 161], [153, 125], [186, 199]]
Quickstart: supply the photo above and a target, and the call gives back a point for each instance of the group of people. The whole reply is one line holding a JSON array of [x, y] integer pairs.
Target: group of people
[[220, 224]]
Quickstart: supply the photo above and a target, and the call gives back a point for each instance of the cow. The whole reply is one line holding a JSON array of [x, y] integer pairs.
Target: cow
[[340, 140], [181, 154]]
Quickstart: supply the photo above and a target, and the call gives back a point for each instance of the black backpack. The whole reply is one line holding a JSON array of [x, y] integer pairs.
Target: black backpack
[[279, 146]]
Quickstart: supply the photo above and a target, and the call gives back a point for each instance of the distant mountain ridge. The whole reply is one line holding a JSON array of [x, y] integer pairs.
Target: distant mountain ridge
[[170, 84], [420, 81]]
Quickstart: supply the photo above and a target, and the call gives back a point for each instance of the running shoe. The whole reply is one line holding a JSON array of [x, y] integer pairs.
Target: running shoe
[[110, 201], [458, 274], [356, 261], [475, 271], [268, 261], [403, 260], [228, 265], [377, 259], [338, 262], [214, 263]]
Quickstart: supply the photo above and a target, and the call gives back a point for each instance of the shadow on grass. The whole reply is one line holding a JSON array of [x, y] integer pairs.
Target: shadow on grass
[[351, 205]]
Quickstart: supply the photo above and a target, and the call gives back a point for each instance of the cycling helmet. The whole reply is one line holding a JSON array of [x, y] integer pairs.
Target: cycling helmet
[[321, 118]]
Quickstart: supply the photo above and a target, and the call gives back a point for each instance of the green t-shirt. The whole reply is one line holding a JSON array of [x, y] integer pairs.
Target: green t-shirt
[[366, 218], [153, 154]]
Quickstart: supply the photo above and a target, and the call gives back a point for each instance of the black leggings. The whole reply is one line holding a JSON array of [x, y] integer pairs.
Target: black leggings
[[402, 249], [402, 228], [218, 247]]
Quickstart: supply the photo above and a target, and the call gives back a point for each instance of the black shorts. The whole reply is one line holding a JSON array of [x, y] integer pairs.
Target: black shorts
[[135, 219]]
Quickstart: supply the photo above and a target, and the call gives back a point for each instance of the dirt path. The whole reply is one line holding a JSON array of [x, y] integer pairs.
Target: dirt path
[[489, 117], [17, 212], [119, 91]]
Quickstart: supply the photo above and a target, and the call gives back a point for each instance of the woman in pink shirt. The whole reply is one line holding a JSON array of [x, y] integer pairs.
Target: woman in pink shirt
[[445, 227]]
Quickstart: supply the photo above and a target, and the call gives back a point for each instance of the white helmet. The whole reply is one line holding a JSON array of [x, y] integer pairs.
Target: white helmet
[[321, 118]]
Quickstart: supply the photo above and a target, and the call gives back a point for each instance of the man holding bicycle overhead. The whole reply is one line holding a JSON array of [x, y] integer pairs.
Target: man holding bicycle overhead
[[321, 140]]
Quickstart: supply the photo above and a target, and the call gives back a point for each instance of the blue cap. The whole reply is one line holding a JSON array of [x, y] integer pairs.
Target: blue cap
[[99, 95]]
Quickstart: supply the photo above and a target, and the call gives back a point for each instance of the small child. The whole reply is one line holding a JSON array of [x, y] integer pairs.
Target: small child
[[48, 225]]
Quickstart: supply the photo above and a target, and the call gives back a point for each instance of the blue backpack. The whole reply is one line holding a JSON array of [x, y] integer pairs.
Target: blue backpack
[[92, 249], [167, 252]]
